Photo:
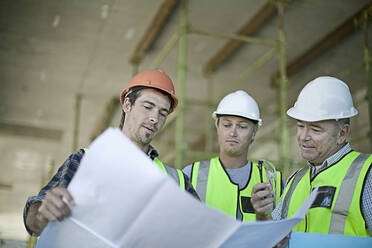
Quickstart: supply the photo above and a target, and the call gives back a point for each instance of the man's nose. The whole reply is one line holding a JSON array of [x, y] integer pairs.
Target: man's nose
[[304, 134], [154, 118], [233, 131]]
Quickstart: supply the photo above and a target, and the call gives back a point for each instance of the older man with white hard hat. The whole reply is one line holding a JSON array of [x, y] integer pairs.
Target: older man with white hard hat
[[323, 111], [225, 182]]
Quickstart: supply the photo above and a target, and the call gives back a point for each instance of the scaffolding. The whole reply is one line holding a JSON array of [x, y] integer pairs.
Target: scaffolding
[[280, 79], [277, 47]]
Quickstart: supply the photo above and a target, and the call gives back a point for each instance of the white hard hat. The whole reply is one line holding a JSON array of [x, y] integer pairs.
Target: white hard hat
[[324, 98], [239, 103]]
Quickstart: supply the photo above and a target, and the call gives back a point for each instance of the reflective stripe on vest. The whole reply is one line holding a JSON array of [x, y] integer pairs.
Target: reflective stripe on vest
[[289, 190], [345, 195], [337, 209], [176, 174], [215, 188], [278, 188]]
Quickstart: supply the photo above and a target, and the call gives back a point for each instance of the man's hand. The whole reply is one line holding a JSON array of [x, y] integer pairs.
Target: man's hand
[[52, 208], [284, 242], [262, 201]]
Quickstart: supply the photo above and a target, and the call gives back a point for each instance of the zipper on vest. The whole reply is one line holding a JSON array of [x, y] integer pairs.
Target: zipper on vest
[[260, 162], [238, 207]]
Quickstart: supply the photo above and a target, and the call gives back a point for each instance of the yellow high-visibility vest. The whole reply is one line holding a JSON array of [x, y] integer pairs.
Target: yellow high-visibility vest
[[176, 174], [337, 209], [215, 188]]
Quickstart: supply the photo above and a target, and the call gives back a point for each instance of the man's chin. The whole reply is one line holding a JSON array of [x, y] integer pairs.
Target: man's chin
[[149, 136], [145, 139], [307, 156], [233, 152]]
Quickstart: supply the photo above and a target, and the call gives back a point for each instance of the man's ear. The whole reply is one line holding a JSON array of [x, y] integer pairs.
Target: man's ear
[[254, 131], [216, 122], [127, 106], [343, 134]]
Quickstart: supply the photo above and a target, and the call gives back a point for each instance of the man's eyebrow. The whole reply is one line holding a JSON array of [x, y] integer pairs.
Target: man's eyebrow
[[244, 122], [225, 120], [316, 125], [153, 104], [148, 102]]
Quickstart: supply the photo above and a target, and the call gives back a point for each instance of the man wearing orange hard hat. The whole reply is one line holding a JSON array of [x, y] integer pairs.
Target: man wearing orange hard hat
[[146, 102]]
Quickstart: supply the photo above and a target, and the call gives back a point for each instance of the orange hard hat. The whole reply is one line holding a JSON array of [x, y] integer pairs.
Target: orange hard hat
[[156, 79]]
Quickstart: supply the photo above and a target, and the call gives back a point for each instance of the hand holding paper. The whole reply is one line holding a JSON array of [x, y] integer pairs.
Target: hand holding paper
[[123, 200]]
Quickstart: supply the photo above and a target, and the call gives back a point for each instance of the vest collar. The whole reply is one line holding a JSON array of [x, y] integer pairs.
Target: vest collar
[[152, 153], [314, 170]]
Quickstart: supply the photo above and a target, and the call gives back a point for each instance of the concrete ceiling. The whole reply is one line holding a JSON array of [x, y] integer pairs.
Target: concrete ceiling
[[51, 51]]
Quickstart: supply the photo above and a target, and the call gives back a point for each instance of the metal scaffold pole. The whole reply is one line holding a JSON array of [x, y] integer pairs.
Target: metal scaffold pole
[[367, 64], [75, 138], [209, 123], [182, 70], [283, 84], [165, 51]]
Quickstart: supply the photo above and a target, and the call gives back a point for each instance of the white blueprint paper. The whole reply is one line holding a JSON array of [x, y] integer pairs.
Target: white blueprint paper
[[124, 200]]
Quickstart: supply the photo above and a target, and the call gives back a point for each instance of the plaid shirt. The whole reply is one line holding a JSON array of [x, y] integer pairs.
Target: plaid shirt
[[64, 176], [366, 192]]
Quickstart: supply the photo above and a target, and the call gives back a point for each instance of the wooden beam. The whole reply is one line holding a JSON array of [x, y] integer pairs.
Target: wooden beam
[[258, 20], [6, 186], [153, 30], [30, 131], [245, 38], [328, 41]]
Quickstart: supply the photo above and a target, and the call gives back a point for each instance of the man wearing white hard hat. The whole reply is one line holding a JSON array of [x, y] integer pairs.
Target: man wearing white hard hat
[[323, 111], [225, 182]]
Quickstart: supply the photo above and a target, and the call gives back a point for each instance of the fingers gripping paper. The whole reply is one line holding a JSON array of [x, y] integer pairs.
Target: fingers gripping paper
[[124, 200]]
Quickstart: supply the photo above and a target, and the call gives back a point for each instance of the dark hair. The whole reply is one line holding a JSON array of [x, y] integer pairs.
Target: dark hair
[[134, 93]]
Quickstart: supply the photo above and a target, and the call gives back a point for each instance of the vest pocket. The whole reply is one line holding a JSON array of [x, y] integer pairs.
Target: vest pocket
[[325, 197], [247, 206]]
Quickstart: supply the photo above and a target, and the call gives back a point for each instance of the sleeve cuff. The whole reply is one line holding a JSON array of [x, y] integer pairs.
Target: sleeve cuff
[[31, 200]]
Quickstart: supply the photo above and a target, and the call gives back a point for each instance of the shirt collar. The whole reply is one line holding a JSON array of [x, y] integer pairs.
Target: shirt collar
[[331, 160]]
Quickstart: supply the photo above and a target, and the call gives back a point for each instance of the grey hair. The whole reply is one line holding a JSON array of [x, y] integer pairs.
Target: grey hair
[[342, 122]]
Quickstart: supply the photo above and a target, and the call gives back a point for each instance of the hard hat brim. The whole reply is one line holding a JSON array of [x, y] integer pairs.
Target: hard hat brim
[[314, 117], [215, 115]]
